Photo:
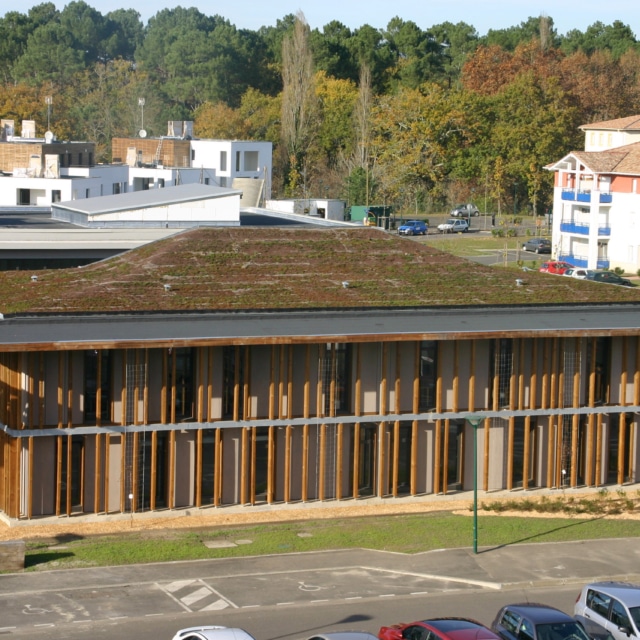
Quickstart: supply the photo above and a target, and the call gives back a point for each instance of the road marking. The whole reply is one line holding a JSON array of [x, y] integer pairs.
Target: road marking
[[354, 598], [325, 600], [216, 606], [387, 595], [278, 604], [419, 593], [195, 596], [151, 615]]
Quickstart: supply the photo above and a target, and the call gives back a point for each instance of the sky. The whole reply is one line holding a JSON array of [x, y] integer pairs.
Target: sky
[[480, 14]]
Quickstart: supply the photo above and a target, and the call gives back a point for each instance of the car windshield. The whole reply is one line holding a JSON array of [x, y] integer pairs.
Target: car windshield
[[560, 631], [452, 221]]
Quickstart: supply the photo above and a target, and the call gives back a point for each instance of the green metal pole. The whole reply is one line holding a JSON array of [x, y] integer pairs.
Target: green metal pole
[[475, 487], [475, 421]]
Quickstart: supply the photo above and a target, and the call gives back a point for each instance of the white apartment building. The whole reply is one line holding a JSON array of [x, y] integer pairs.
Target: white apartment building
[[596, 204]]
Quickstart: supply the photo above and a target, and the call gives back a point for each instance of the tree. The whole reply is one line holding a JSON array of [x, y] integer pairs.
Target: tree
[[415, 132], [331, 51], [298, 104], [218, 120], [417, 55], [616, 38]]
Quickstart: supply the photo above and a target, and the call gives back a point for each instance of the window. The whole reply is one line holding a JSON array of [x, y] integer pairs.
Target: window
[[56, 195], [87, 193], [97, 384], [115, 188], [428, 374], [502, 368], [619, 615], [510, 621], [237, 161], [232, 379], [223, 161], [526, 630], [250, 160], [184, 380], [160, 183], [334, 371], [80, 159], [598, 602]]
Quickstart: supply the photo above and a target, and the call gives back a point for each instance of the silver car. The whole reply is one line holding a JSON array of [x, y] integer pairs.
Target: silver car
[[609, 609], [212, 632]]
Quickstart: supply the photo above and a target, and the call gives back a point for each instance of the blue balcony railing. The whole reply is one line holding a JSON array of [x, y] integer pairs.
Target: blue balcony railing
[[575, 227], [584, 196], [581, 261], [582, 229]]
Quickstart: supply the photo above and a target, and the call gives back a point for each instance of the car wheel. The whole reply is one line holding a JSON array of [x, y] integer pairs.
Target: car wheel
[[538, 250], [524, 247]]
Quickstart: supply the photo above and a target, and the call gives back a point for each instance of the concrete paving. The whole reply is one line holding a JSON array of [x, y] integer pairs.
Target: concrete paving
[[59, 597]]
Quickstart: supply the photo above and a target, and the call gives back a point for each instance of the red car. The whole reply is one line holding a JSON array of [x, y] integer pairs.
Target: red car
[[557, 267], [438, 629]]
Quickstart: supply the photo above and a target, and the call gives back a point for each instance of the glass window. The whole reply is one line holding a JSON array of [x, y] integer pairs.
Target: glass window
[[428, 374], [619, 615], [510, 621], [250, 160], [598, 602], [223, 161]]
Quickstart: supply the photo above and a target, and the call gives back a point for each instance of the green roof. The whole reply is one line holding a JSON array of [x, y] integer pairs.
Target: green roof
[[240, 268]]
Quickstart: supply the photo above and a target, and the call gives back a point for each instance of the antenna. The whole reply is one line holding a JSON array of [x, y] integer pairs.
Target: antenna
[[142, 133], [48, 137]]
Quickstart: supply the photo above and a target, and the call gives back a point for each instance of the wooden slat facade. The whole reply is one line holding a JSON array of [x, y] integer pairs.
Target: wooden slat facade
[[153, 441]]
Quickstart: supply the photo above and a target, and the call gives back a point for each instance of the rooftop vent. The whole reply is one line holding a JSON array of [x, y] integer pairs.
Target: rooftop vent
[[167, 287], [34, 278], [345, 284]]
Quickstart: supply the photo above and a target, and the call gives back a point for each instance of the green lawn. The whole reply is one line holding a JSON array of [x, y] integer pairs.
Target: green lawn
[[401, 533]]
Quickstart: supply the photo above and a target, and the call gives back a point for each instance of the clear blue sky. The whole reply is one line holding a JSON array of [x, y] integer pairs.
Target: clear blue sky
[[481, 14]]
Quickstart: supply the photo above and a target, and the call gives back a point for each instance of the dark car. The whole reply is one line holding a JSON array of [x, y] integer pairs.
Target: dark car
[[538, 245], [609, 277], [438, 629], [536, 622]]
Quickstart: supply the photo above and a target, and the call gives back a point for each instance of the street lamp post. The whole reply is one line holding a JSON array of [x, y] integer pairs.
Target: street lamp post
[[475, 421], [141, 103]]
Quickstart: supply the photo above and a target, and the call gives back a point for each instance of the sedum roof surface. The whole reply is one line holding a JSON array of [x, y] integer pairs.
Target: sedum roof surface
[[235, 268]]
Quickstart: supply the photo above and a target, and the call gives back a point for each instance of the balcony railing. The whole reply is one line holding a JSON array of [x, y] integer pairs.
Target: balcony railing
[[581, 228], [581, 261], [584, 196]]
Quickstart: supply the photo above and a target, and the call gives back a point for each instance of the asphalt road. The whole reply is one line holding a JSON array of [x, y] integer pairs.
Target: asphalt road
[[293, 595]]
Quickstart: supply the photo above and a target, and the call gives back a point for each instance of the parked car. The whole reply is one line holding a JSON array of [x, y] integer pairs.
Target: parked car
[[413, 228], [555, 266], [465, 211], [438, 629], [453, 225], [212, 632], [343, 635], [575, 272], [609, 609], [538, 245], [609, 277], [536, 622]]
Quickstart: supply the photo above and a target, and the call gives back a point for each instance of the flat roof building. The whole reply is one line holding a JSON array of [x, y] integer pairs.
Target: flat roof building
[[253, 366]]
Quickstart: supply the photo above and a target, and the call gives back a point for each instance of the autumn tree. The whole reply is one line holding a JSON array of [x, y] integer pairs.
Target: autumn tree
[[415, 133], [218, 120]]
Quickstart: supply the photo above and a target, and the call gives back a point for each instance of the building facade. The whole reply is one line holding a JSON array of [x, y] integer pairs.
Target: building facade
[[120, 412], [597, 199]]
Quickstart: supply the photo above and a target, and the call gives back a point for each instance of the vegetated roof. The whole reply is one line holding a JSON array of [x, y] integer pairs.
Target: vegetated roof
[[235, 268]]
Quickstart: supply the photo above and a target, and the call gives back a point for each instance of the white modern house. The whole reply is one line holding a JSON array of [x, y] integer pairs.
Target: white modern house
[[596, 204], [39, 172]]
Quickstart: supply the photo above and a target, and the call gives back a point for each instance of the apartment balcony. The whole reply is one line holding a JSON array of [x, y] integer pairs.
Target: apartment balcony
[[582, 229], [584, 196], [581, 261]]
